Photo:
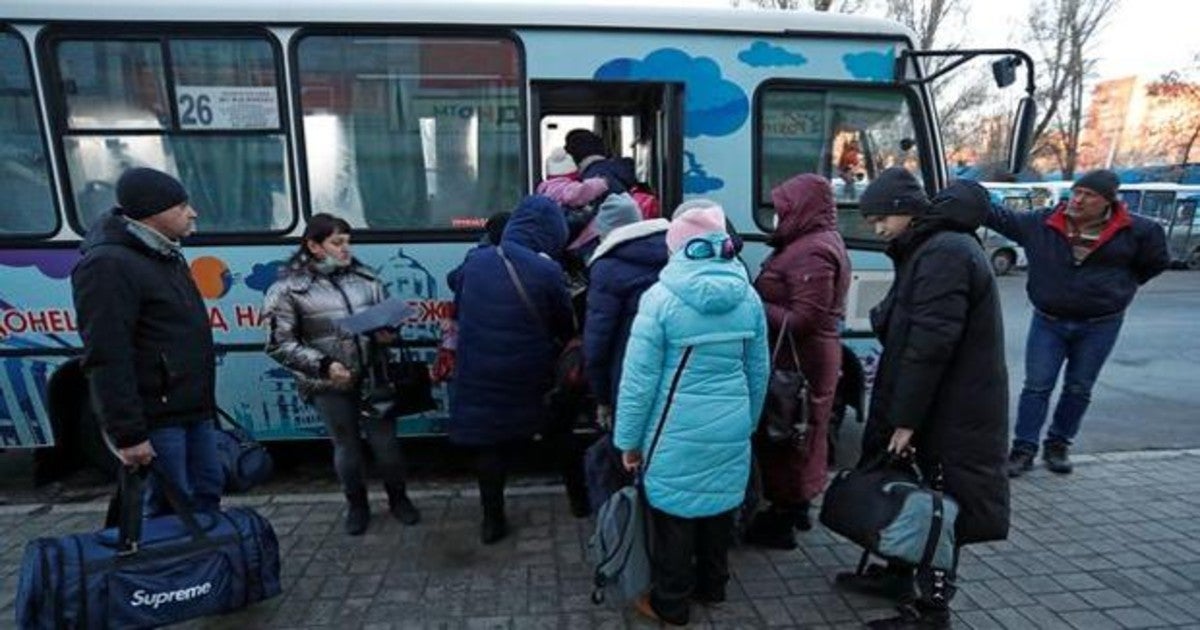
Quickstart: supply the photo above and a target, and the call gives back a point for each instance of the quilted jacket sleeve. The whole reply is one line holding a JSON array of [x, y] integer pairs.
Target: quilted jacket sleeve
[[599, 331], [106, 303], [284, 344]]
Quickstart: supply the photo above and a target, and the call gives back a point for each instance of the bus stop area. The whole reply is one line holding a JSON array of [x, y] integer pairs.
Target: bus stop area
[[1116, 545]]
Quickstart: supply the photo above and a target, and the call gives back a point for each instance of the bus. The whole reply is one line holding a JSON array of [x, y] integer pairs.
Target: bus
[[1173, 207], [414, 121]]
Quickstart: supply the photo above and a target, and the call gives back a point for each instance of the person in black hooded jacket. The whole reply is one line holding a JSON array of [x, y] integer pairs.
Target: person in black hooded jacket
[[147, 345], [941, 389]]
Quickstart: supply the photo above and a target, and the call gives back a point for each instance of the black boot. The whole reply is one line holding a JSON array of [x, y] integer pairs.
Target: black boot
[[802, 521], [927, 607], [878, 580], [400, 505], [772, 529], [358, 512], [1057, 460], [914, 617], [578, 497], [495, 524], [1020, 461]]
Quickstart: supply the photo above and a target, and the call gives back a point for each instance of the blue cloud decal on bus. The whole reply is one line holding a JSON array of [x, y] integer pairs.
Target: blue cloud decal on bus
[[696, 180], [263, 275], [715, 106], [871, 66], [763, 54]]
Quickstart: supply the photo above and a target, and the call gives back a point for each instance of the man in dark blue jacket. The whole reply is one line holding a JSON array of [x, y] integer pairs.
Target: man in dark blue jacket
[[147, 345], [1087, 258]]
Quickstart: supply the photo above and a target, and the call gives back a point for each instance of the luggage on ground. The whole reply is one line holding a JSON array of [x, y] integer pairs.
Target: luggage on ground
[[149, 572], [889, 510]]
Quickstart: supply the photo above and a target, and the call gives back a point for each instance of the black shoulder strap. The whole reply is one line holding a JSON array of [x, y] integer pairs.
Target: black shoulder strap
[[516, 280], [662, 421], [935, 529]]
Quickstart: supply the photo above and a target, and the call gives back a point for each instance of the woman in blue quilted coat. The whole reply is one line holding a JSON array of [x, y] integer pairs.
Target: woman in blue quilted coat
[[506, 356], [704, 314]]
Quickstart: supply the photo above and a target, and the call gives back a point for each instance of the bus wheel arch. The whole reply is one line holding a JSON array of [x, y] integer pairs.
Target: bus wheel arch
[[76, 428], [65, 391]]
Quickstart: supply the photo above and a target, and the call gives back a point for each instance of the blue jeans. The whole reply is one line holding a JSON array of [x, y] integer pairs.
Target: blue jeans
[[187, 454], [1084, 345]]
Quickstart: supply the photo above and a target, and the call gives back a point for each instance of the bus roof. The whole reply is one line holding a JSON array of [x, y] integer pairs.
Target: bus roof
[[458, 12], [1168, 186]]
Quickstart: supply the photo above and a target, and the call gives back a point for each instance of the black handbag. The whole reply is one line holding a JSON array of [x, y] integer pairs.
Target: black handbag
[[786, 411], [400, 381]]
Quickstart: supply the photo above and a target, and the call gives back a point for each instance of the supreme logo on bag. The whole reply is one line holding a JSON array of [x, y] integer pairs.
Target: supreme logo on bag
[[147, 596]]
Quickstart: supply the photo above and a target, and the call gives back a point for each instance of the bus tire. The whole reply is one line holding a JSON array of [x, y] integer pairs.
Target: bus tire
[[64, 394], [91, 444], [1193, 261], [1003, 261]]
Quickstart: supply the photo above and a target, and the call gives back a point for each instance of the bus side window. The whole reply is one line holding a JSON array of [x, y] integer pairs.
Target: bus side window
[[847, 135], [223, 135], [412, 133], [26, 199]]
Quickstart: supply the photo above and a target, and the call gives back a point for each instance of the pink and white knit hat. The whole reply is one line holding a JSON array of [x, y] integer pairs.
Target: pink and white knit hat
[[694, 218], [559, 163]]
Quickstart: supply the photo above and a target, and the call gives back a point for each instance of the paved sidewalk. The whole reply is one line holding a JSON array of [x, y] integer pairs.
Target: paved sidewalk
[[1116, 545]]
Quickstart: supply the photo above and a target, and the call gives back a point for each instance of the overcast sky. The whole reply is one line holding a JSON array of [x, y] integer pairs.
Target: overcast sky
[[1145, 36]]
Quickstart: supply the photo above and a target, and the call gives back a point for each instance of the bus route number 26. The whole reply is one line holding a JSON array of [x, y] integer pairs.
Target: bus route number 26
[[195, 110]]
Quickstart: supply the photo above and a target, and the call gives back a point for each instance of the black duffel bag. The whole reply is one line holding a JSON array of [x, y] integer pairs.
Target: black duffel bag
[[889, 510]]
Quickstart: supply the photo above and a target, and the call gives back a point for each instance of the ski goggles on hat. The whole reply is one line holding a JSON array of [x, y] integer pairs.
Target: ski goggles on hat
[[703, 249]]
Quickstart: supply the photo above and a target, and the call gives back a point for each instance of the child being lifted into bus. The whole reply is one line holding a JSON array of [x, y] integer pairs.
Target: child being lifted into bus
[[564, 185]]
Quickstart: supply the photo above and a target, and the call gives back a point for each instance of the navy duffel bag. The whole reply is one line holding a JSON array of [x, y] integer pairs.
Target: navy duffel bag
[[152, 572]]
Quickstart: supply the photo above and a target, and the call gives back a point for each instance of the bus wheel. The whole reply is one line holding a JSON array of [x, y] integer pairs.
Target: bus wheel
[[92, 445], [1193, 261], [1003, 261]]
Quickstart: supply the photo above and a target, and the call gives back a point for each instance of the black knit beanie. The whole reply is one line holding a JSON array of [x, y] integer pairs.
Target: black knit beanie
[[581, 143], [1100, 181], [144, 192], [894, 191], [495, 226]]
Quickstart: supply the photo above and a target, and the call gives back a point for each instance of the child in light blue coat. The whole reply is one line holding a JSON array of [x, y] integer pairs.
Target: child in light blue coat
[[702, 308]]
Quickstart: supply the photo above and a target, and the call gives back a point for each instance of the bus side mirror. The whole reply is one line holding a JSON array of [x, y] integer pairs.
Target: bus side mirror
[[1004, 71], [1019, 143]]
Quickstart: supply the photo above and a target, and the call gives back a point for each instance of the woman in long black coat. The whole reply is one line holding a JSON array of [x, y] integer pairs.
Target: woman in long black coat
[[942, 386]]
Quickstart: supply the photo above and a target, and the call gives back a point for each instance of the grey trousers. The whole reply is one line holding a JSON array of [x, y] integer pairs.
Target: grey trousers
[[344, 419]]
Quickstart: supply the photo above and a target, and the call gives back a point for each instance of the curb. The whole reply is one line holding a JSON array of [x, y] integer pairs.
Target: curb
[[467, 490]]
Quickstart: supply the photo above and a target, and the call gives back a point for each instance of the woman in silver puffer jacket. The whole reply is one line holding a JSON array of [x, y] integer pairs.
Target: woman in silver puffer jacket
[[322, 284]]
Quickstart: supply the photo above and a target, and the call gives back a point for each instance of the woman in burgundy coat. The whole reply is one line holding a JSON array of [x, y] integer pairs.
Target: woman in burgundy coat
[[804, 283]]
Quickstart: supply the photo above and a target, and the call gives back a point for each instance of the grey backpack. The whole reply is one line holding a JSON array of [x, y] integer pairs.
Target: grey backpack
[[619, 549]]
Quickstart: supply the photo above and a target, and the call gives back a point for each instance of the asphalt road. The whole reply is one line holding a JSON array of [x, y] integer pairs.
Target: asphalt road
[[1148, 395]]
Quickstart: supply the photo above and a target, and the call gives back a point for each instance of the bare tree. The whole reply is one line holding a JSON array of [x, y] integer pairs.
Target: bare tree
[[1064, 32], [924, 17], [960, 97], [1179, 135], [831, 6]]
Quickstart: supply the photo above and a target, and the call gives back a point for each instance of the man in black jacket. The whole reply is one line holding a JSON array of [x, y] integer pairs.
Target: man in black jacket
[[941, 387], [148, 347], [1087, 258]]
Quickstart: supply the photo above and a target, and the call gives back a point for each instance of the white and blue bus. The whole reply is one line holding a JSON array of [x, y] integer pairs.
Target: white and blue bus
[[415, 121]]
